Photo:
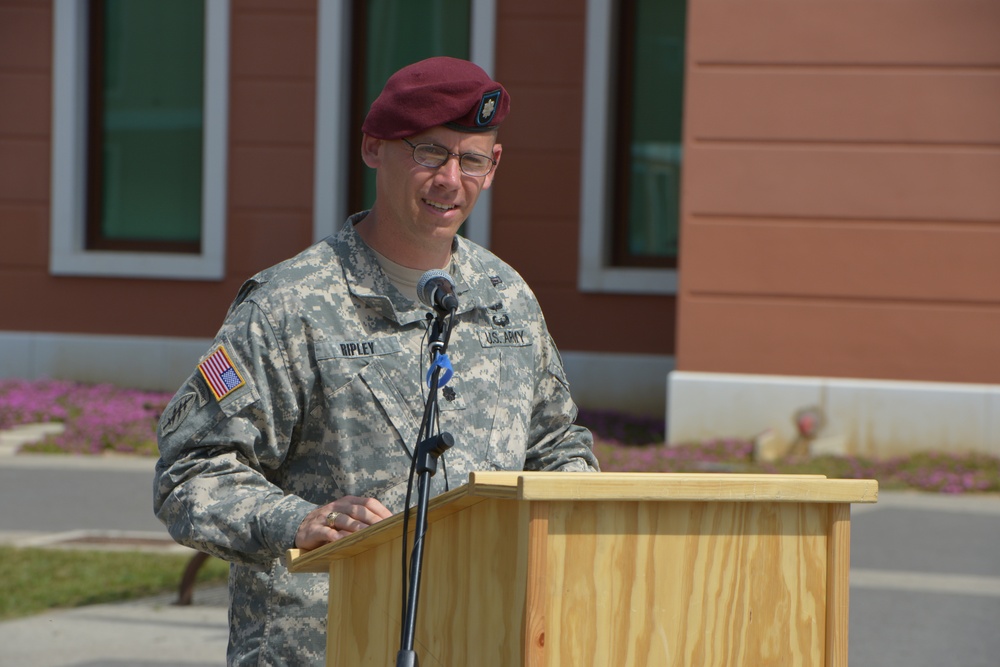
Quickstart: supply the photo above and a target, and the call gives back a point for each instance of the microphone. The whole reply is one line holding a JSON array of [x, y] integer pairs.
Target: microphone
[[436, 289]]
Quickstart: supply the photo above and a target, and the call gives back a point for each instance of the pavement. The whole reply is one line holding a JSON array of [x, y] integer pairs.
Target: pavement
[[925, 575], [86, 502]]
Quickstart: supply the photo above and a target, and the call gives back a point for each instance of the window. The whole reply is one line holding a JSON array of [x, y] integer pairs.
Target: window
[[139, 138], [648, 143], [357, 53], [630, 190], [389, 35], [145, 125]]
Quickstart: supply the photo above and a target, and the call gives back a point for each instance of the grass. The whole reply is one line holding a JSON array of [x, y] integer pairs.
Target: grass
[[38, 580]]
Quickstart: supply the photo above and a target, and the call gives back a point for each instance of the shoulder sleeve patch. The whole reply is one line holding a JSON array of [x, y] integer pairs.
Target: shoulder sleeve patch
[[220, 373]]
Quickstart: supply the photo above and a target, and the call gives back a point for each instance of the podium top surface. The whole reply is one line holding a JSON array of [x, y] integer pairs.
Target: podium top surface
[[576, 487], [717, 487]]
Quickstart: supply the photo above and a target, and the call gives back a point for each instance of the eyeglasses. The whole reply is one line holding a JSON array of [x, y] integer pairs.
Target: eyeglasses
[[434, 156]]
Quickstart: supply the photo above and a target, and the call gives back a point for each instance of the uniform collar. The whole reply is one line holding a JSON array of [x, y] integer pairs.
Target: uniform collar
[[367, 281]]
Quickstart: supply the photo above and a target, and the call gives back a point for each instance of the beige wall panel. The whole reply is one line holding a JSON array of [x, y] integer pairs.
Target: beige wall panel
[[887, 32], [833, 338], [850, 104], [830, 182], [864, 260]]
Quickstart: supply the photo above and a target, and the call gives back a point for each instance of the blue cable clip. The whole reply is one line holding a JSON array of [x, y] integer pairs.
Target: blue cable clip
[[444, 363]]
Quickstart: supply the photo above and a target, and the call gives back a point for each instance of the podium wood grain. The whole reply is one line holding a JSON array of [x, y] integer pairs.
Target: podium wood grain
[[554, 570]]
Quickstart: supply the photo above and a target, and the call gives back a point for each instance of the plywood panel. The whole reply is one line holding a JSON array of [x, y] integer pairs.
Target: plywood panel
[[834, 338], [844, 104], [468, 615], [722, 584], [913, 183], [887, 32], [944, 262]]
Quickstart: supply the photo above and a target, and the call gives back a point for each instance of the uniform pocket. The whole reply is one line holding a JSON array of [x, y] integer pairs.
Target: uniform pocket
[[367, 428]]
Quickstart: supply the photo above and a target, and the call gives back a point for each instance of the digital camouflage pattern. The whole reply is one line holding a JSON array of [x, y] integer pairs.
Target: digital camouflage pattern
[[328, 364]]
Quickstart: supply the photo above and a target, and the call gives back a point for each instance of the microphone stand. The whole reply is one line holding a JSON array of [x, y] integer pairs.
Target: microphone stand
[[425, 457]]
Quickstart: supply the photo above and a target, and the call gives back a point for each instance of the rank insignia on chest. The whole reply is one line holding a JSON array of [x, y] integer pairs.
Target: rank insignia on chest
[[220, 373]]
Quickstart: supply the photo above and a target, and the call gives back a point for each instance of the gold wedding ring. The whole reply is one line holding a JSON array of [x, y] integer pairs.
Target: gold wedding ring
[[331, 517]]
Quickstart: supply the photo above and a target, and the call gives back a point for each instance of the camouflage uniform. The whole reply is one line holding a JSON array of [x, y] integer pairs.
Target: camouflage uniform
[[327, 393]]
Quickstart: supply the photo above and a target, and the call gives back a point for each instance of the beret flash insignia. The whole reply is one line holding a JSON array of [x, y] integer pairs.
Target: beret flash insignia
[[487, 108]]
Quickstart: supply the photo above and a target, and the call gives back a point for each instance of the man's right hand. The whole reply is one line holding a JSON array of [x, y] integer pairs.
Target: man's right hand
[[349, 514]]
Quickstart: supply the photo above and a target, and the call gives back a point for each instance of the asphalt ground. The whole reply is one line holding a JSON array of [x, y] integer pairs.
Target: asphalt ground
[[925, 575]]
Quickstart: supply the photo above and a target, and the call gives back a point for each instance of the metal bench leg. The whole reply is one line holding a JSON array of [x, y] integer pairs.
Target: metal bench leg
[[186, 590]]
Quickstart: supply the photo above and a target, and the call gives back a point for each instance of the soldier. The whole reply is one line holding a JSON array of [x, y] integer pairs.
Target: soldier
[[297, 427]]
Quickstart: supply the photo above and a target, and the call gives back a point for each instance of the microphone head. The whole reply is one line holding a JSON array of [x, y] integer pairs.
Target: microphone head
[[430, 282]]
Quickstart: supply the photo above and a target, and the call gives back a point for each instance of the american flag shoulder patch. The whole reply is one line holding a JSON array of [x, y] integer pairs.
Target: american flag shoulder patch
[[220, 373]]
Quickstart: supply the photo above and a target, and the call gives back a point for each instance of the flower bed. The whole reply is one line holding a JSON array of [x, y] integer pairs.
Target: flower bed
[[98, 418], [102, 418], [636, 444]]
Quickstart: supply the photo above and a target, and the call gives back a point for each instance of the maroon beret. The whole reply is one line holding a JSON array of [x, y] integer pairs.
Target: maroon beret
[[437, 91]]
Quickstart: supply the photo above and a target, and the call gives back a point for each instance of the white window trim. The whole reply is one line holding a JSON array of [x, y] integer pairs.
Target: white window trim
[[333, 79], [68, 254], [596, 274]]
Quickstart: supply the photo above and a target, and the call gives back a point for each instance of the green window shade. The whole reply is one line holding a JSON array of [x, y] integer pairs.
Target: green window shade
[[147, 118], [653, 63], [400, 33]]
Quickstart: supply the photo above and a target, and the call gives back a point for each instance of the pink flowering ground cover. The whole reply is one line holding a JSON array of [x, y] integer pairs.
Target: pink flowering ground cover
[[97, 419], [636, 444], [105, 419]]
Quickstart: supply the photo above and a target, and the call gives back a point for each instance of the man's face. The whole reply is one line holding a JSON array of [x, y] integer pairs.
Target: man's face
[[427, 203]]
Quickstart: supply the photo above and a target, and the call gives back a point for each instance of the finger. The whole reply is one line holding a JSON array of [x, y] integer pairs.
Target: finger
[[343, 522], [370, 507]]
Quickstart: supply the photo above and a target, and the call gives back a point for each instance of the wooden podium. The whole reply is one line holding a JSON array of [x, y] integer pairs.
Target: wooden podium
[[607, 570]]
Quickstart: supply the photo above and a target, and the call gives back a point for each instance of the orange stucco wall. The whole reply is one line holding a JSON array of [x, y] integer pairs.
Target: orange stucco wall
[[841, 202]]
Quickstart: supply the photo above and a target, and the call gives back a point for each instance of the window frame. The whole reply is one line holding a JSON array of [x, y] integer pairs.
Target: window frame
[[596, 271], [68, 252], [333, 85]]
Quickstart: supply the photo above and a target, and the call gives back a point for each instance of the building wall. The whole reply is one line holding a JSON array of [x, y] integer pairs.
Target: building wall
[[841, 224], [536, 205], [148, 332], [841, 208], [25, 119], [273, 61]]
